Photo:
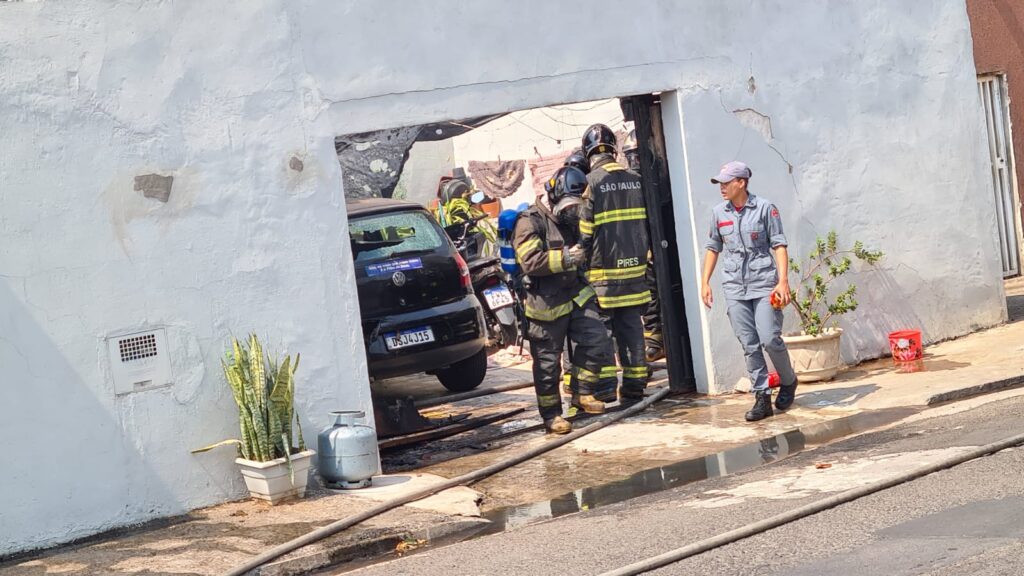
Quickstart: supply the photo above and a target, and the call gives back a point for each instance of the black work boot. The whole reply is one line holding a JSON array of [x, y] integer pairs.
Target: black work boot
[[762, 407], [786, 396], [630, 395]]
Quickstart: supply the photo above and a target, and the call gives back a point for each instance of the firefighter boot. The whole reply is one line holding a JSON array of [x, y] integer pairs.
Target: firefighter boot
[[558, 425], [629, 395], [587, 403], [762, 407]]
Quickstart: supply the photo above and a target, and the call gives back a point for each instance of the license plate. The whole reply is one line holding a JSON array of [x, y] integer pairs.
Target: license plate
[[407, 338], [498, 297]]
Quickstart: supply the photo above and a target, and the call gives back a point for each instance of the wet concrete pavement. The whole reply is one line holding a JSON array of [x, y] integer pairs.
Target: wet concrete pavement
[[677, 442], [966, 520], [693, 427]]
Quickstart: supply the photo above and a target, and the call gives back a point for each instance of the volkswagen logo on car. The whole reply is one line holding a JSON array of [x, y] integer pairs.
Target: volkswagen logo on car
[[398, 278]]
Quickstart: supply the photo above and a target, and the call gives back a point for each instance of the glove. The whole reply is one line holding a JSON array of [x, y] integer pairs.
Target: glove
[[576, 255]]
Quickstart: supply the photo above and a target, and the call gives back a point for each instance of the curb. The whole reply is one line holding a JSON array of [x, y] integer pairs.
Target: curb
[[339, 553], [978, 390]]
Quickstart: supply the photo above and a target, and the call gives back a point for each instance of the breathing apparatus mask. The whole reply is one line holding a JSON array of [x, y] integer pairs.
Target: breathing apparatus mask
[[565, 191], [567, 212]]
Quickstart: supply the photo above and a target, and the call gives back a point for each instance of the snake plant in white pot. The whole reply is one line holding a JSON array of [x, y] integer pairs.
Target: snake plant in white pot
[[273, 457]]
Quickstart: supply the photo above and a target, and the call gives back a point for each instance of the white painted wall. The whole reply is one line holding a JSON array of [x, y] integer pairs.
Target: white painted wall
[[879, 140], [91, 95], [873, 103]]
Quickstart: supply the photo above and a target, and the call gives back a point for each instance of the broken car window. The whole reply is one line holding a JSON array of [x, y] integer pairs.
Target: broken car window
[[380, 236]]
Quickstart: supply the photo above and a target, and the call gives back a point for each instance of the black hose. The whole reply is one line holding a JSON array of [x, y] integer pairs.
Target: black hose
[[431, 402], [755, 528], [465, 479]]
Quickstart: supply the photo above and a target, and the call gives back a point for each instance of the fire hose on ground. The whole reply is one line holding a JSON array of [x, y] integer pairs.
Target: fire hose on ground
[[463, 480], [756, 528]]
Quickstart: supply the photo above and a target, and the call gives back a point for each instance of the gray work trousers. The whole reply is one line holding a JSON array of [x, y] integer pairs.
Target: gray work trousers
[[758, 327]]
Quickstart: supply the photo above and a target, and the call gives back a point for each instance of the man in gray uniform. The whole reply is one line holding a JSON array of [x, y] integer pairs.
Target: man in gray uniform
[[755, 265]]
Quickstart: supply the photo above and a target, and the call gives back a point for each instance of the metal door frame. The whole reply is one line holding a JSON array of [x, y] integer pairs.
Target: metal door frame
[[994, 94], [645, 112]]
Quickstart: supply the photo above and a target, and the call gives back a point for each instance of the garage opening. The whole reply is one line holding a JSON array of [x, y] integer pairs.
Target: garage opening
[[428, 208]]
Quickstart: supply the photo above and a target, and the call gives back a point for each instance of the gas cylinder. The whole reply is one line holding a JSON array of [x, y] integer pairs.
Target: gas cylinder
[[347, 451], [506, 229]]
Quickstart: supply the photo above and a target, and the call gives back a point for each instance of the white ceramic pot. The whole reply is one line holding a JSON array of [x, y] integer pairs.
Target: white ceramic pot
[[271, 481], [815, 358]]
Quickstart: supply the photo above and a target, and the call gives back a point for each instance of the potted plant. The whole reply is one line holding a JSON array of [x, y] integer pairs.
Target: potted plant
[[814, 352], [274, 462]]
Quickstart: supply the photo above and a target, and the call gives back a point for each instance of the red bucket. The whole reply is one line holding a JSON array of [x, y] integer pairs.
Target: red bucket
[[906, 345]]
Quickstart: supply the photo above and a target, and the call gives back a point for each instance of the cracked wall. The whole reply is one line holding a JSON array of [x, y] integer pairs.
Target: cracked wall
[[101, 106], [222, 99]]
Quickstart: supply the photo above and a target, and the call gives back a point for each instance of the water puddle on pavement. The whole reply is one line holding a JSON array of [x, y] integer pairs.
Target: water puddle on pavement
[[681, 473], [655, 480]]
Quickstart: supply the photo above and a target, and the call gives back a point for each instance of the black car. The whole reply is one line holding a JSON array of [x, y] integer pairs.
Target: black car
[[418, 309]]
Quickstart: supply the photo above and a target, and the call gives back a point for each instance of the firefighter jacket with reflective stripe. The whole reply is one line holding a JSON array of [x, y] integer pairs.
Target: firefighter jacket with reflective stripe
[[550, 285], [613, 231]]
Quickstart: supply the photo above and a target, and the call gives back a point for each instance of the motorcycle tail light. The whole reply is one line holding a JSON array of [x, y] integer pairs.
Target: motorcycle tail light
[[464, 274], [492, 281]]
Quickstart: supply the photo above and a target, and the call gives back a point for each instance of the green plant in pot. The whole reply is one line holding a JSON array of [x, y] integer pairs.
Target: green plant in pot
[[815, 350], [272, 453]]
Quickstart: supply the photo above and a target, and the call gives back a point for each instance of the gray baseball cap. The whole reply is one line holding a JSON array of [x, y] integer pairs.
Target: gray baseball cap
[[732, 171]]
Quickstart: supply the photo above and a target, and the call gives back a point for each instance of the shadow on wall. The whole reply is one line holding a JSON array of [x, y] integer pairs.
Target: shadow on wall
[[867, 329], [75, 470]]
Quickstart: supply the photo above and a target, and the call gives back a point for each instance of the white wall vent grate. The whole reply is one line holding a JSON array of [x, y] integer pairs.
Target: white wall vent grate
[[139, 361]]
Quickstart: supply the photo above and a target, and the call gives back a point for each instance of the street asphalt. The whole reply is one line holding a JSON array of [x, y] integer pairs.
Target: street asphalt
[[966, 520]]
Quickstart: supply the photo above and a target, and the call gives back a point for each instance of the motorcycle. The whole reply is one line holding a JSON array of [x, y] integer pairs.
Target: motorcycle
[[489, 282]]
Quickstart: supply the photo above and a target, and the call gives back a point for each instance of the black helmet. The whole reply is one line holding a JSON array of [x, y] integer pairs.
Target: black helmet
[[567, 181], [599, 139], [452, 188], [579, 161]]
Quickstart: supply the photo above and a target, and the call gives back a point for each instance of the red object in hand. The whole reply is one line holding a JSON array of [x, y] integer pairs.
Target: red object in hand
[[774, 380], [776, 301]]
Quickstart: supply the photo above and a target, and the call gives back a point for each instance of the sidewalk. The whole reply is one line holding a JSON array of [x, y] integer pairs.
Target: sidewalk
[[212, 540]]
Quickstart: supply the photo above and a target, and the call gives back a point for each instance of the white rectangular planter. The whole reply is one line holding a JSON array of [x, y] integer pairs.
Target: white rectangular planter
[[271, 481]]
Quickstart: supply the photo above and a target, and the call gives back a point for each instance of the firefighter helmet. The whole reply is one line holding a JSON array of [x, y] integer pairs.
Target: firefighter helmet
[[567, 181], [451, 189], [599, 139], [579, 161]]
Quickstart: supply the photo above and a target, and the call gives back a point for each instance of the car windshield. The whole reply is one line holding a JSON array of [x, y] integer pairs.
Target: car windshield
[[384, 235]]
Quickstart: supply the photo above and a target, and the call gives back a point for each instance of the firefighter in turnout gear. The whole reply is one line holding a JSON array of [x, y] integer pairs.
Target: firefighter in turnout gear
[[559, 302], [613, 233]]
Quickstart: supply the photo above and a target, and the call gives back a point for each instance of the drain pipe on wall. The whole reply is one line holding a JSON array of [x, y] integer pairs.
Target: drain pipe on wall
[[673, 556], [463, 480]]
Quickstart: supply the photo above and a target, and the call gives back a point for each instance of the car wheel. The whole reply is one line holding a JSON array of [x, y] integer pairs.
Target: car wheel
[[465, 375]]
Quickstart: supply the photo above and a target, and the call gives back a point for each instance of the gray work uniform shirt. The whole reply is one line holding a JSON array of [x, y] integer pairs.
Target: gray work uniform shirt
[[745, 238]]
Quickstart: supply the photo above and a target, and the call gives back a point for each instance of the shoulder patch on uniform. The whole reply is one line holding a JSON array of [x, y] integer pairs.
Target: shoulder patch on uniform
[[775, 212]]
